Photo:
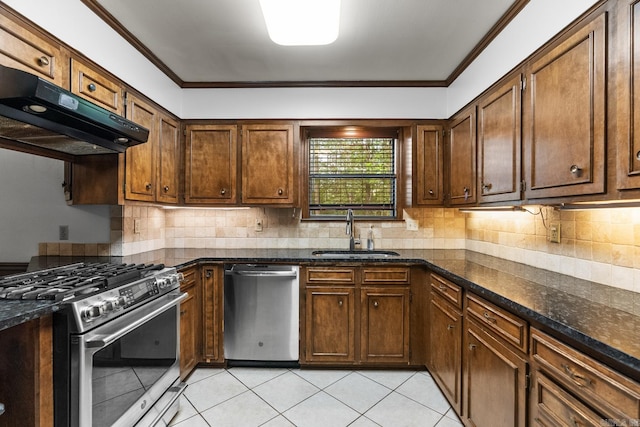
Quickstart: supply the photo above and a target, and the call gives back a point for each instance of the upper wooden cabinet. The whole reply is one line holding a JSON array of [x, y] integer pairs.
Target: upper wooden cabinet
[[428, 150], [564, 121], [28, 49], [140, 159], [210, 164], [461, 158], [268, 164], [96, 87], [499, 143]]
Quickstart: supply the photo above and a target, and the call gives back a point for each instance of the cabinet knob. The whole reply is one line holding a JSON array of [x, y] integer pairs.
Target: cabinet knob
[[466, 193], [280, 191], [638, 155], [166, 188], [92, 87], [575, 169], [472, 347], [340, 303], [431, 192], [375, 304], [147, 186], [450, 327], [486, 187], [183, 312], [489, 318], [208, 274], [43, 61], [223, 191]]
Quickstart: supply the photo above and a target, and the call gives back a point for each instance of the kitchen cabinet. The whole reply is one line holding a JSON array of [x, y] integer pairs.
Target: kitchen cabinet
[[564, 115], [268, 165], [140, 160], [499, 142], [94, 86], [211, 164], [356, 315], [495, 364], [444, 359], [570, 388], [428, 166], [212, 279], [29, 49], [26, 389], [190, 315], [461, 158]]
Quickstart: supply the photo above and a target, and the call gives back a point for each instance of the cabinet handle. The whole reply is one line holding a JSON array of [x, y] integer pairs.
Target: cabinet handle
[[375, 304], [443, 288], [431, 193], [340, 303], [489, 318], [579, 380], [223, 191], [486, 187], [43, 61], [472, 347], [183, 312], [92, 87], [576, 421], [466, 193], [147, 186], [575, 169], [166, 188], [450, 327], [208, 274], [280, 191], [638, 155]]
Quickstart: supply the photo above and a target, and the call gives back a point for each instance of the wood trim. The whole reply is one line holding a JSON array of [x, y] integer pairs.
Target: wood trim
[[504, 20]]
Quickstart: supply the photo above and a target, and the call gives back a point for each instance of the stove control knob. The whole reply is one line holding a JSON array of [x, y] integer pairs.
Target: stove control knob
[[163, 283], [121, 302], [92, 312], [110, 305]]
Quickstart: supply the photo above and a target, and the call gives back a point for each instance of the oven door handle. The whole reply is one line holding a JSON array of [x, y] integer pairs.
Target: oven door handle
[[100, 341]]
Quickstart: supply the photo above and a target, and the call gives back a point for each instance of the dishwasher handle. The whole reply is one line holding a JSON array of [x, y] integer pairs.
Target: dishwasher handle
[[261, 273]]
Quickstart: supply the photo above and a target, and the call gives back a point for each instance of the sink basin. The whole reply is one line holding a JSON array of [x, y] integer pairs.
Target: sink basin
[[354, 254]]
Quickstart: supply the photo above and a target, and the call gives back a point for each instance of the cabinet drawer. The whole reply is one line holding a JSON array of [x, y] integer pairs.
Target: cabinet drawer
[[612, 394], [343, 276], [385, 276], [189, 278], [23, 49], [506, 325], [94, 87], [449, 290], [553, 405]]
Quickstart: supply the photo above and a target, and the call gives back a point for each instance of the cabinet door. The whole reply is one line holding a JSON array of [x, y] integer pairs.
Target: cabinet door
[[268, 165], [565, 116], [627, 99], [212, 294], [461, 156], [29, 50], [499, 143], [428, 177], [330, 324], [445, 343], [210, 164], [140, 159], [494, 379], [384, 329], [95, 87], [188, 332], [168, 159]]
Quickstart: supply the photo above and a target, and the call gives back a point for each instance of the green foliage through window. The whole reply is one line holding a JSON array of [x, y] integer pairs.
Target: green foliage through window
[[356, 173]]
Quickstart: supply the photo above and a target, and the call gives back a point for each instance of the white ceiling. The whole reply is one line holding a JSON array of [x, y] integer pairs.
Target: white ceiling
[[226, 41]]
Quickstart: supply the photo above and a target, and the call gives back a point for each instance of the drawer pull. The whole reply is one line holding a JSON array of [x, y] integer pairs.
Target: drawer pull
[[92, 87], [489, 318], [576, 422], [450, 327], [340, 303], [166, 188], [147, 186], [375, 304], [579, 380], [43, 61], [183, 312], [443, 288], [472, 347]]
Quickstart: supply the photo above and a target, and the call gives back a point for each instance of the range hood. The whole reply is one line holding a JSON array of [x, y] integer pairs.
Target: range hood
[[36, 113]]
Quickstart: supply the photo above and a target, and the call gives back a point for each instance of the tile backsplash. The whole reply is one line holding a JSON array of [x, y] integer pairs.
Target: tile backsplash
[[597, 245]]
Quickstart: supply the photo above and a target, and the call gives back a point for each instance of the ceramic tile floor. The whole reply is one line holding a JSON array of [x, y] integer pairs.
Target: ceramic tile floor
[[271, 397]]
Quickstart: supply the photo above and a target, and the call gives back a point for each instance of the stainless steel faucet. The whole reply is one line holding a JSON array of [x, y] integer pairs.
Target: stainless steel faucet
[[351, 230]]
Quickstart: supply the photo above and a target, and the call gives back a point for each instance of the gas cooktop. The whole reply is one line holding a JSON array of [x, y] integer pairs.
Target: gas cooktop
[[72, 281]]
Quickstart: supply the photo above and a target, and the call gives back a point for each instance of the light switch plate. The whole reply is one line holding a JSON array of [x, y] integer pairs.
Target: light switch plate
[[412, 224], [554, 232]]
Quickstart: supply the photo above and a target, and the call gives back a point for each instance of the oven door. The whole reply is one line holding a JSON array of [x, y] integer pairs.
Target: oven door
[[119, 370]]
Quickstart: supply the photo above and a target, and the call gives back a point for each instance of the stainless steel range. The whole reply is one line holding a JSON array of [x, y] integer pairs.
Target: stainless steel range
[[116, 341]]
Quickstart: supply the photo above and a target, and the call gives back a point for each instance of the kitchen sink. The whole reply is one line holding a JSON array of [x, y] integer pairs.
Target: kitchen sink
[[354, 254]]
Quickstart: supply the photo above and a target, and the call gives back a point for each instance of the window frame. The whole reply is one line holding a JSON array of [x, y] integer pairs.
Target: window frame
[[353, 131]]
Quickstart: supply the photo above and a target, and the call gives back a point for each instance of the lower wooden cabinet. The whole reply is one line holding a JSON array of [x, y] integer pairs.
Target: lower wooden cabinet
[[212, 277], [190, 309], [345, 323], [495, 381]]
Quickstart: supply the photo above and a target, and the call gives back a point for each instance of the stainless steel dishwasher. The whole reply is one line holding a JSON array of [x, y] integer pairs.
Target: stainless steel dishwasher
[[261, 306]]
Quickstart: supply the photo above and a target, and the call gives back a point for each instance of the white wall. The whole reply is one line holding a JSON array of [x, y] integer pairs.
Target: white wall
[[32, 206]]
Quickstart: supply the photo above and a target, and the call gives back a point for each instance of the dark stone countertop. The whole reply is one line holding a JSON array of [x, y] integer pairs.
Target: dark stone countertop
[[599, 320]]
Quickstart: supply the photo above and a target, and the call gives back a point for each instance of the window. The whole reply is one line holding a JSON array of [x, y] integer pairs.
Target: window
[[352, 170]]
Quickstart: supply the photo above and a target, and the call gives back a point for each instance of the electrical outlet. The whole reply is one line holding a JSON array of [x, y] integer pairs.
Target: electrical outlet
[[412, 224], [258, 225], [136, 226], [554, 232], [64, 232]]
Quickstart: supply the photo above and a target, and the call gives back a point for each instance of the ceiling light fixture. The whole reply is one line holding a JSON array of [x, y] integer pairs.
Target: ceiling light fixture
[[302, 22]]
